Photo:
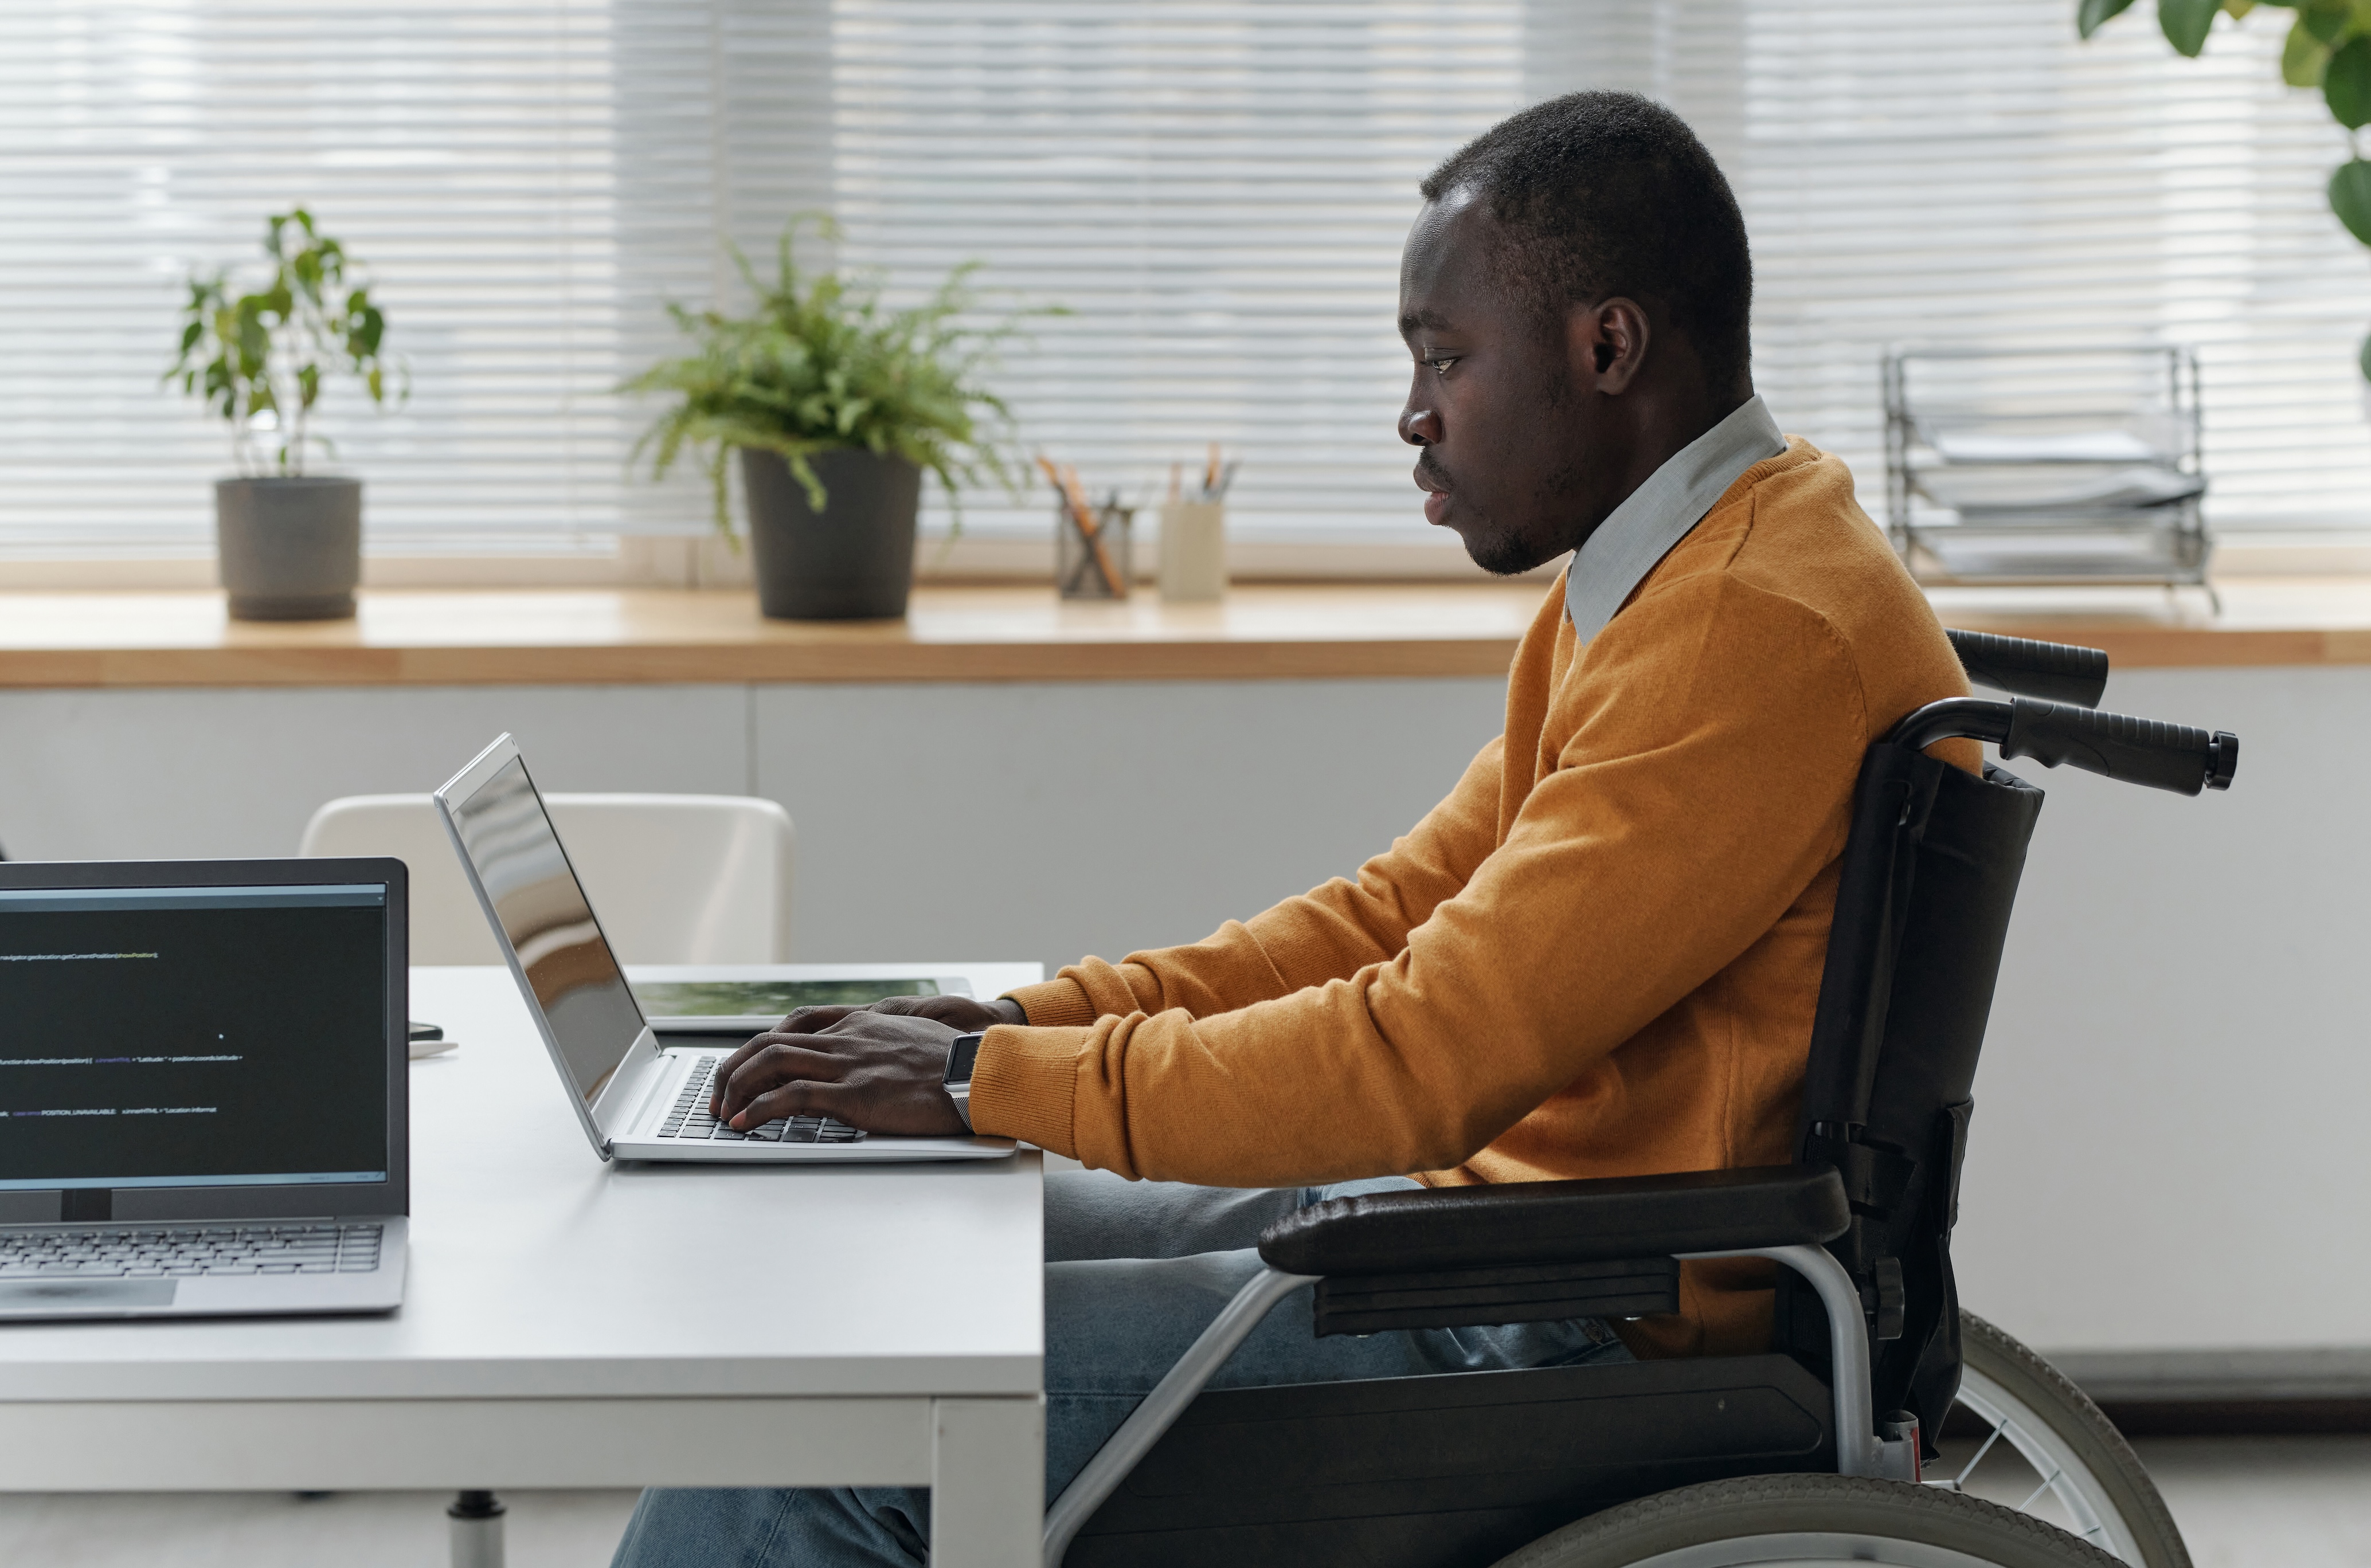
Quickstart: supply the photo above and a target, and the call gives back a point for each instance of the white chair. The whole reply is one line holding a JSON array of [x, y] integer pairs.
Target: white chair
[[675, 879]]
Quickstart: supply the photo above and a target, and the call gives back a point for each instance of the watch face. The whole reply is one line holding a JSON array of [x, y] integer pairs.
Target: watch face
[[960, 1057]]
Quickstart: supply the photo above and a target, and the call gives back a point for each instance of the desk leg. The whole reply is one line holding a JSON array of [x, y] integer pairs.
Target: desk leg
[[988, 1483], [475, 1525]]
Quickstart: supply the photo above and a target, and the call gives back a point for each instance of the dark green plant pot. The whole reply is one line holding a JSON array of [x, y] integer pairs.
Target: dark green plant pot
[[289, 549], [853, 561]]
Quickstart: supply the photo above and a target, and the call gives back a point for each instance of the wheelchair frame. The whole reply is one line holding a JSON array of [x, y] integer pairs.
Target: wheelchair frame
[[1861, 1450], [1412, 1260]]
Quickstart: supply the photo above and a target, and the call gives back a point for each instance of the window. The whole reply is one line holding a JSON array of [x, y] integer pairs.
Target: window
[[1970, 171], [1219, 191], [1217, 188], [465, 151]]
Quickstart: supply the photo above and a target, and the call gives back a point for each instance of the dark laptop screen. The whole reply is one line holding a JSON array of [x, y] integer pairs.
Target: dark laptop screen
[[193, 1036]]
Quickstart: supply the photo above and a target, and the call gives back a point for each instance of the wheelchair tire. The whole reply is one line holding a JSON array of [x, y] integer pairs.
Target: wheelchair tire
[[1808, 1520], [2096, 1478]]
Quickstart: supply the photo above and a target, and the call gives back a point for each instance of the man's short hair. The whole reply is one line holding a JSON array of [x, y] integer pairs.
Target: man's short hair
[[1611, 193]]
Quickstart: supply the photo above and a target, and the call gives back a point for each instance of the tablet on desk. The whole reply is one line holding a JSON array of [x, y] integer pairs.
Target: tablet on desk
[[752, 1007]]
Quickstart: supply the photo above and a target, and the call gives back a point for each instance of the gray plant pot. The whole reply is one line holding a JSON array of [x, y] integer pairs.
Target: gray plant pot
[[289, 549], [854, 561]]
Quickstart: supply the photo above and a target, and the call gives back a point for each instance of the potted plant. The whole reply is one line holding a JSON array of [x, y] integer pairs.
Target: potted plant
[[837, 405], [289, 543]]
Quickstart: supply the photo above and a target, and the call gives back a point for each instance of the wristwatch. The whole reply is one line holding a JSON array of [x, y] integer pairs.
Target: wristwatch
[[960, 1057]]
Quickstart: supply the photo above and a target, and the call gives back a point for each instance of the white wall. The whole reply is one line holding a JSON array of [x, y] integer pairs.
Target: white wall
[[2168, 1148], [1044, 822], [211, 773], [2170, 1144]]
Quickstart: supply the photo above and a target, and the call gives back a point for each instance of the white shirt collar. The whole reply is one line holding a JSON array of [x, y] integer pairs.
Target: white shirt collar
[[1640, 532]]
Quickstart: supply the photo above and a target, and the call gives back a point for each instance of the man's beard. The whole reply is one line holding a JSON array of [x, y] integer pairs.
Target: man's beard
[[1509, 552], [1503, 554]]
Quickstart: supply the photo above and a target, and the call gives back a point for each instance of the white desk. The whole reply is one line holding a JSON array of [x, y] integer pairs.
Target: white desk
[[573, 1324]]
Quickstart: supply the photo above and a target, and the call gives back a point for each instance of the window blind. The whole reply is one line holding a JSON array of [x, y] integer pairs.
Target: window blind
[[527, 181], [1215, 188], [1967, 171], [1221, 193], [463, 150]]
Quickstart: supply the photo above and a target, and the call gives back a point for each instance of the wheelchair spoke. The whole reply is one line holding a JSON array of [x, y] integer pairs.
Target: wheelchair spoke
[[2063, 1492], [1960, 1483], [2063, 1465]]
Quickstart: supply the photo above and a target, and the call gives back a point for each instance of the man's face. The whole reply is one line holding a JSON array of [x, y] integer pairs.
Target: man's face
[[1504, 431]]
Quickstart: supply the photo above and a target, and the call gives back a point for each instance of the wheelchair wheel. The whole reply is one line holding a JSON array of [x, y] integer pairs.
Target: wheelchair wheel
[[2078, 1471], [1808, 1520]]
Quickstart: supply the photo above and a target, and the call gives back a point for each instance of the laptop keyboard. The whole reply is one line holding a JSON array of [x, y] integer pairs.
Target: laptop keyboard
[[185, 1250], [688, 1120]]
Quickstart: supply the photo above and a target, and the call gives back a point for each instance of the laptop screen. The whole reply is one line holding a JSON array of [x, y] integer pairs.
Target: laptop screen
[[193, 1036], [544, 916]]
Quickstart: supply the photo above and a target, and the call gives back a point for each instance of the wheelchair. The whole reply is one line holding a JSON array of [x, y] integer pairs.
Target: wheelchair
[[1811, 1452]]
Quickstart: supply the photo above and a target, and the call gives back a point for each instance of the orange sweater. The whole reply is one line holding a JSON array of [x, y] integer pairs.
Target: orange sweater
[[1598, 956]]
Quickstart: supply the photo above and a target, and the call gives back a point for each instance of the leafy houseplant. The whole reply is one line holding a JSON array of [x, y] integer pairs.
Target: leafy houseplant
[[2328, 47], [837, 405], [289, 543]]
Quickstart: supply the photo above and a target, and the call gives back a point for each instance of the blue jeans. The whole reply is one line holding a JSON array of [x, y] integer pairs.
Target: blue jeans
[[1134, 1270]]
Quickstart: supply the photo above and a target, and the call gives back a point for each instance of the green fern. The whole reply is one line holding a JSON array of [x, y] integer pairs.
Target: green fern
[[820, 362]]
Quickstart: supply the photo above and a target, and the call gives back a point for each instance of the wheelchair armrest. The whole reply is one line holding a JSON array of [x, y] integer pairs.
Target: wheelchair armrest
[[1522, 1223]]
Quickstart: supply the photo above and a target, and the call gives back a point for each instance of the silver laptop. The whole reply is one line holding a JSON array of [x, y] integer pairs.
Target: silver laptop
[[203, 1073], [640, 1094]]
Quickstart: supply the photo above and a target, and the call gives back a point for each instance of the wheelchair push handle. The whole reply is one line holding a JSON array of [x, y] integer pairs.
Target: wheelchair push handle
[[2133, 751], [2053, 672], [2137, 751]]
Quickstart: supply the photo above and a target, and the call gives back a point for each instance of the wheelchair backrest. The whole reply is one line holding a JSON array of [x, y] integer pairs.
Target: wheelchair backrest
[[1929, 875]]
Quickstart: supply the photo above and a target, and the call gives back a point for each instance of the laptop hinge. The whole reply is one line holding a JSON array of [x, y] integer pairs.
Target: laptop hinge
[[85, 1205]]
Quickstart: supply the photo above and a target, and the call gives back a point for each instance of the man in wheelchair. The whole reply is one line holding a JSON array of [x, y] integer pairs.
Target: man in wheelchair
[[1555, 1037]]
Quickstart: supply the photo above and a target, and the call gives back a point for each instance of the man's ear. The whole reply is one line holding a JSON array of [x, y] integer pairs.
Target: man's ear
[[1607, 343]]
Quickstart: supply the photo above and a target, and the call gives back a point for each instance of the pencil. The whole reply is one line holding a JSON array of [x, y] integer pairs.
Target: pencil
[[1086, 525], [1094, 532], [1065, 481]]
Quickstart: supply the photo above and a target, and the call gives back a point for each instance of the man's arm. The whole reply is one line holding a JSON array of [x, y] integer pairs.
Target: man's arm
[[1329, 933], [1719, 729]]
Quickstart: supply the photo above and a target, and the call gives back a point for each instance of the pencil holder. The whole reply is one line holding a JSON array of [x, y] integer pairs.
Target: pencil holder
[[1193, 552], [1098, 565]]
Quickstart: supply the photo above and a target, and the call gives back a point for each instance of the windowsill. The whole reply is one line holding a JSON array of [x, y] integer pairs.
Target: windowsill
[[614, 636], [706, 562], [601, 636]]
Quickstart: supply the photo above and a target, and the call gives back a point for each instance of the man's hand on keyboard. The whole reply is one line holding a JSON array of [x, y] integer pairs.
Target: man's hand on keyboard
[[873, 1068], [965, 1013]]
